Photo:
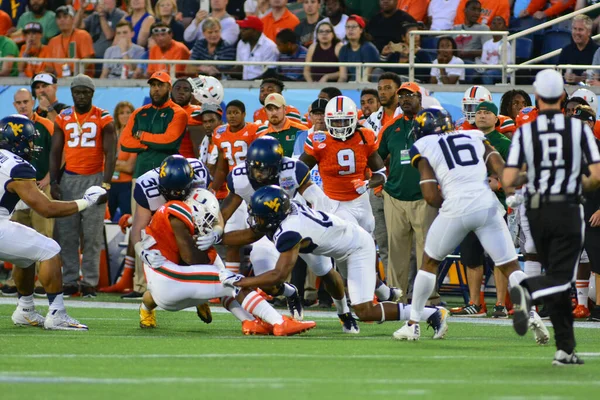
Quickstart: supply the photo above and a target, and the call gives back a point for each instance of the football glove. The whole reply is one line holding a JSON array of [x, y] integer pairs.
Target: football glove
[[153, 258], [360, 186], [92, 194], [205, 242], [125, 222], [515, 200], [228, 279]]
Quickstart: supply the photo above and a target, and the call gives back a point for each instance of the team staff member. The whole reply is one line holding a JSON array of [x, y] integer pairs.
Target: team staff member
[[85, 135], [44, 87], [279, 125], [551, 149]]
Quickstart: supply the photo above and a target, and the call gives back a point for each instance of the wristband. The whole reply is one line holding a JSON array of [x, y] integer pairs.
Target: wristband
[[82, 204]]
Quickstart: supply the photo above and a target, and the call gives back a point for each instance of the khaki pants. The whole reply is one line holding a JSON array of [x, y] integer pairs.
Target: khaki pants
[[405, 220]]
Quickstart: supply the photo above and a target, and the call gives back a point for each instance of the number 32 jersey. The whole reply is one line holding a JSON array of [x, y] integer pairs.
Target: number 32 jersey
[[146, 192], [457, 159]]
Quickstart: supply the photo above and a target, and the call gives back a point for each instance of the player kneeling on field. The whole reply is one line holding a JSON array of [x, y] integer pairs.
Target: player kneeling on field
[[180, 275]]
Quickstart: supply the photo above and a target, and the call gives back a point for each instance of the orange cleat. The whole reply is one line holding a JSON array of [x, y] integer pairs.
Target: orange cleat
[[256, 327], [264, 295], [124, 285], [291, 327], [581, 311]]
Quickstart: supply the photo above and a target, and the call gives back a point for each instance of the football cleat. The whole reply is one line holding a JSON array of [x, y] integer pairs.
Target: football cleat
[[60, 321], [439, 323], [472, 310], [522, 305], [294, 303], [256, 327], [349, 324], [562, 358], [408, 332], [540, 332], [395, 294], [147, 318], [204, 313], [291, 327], [27, 317], [581, 311], [500, 311]]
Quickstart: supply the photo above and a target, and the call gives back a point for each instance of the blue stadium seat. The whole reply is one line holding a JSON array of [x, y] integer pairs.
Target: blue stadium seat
[[520, 24], [554, 40], [524, 49], [429, 43]]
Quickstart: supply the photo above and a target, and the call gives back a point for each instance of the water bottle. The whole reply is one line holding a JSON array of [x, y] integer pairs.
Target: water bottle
[[125, 71], [66, 70]]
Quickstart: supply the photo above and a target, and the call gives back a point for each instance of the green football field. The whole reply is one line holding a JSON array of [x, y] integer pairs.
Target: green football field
[[185, 359]]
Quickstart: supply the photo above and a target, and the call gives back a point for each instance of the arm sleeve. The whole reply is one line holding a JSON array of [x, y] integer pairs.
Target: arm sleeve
[[309, 148], [287, 241], [171, 136], [383, 148], [140, 197], [23, 172], [302, 172], [191, 32], [127, 141], [230, 185], [415, 155]]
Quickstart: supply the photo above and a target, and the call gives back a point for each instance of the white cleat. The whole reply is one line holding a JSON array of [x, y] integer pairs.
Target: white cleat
[[395, 294], [60, 321], [439, 323], [349, 324], [542, 336], [27, 317], [408, 332]]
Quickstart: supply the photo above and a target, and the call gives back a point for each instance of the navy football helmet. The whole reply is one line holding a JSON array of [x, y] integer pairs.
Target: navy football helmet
[[263, 161], [432, 121], [17, 134], [269, 206], [175, 178]]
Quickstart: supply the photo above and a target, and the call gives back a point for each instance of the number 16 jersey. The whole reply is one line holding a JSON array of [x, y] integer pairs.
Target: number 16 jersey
[[457, 160]]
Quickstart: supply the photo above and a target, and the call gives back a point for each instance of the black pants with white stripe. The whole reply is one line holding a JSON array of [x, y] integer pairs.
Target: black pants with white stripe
[[558, 232]]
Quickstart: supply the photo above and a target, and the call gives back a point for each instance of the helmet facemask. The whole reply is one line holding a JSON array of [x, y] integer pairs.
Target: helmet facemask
[[262, 173], [341, 127]]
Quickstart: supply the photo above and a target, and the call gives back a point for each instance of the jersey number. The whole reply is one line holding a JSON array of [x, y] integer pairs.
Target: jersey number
[[347, 161], [241, 149], [87, 134], [150, 188], [317, 216], [461, 154]]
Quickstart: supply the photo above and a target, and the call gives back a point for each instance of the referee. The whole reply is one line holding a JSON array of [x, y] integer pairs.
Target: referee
[[551, 149]]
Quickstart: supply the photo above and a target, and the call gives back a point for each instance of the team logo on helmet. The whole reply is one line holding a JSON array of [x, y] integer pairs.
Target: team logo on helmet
[[273, 204], [16, 128], [163, 170]]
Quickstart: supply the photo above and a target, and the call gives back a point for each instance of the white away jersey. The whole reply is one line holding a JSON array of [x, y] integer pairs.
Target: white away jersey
[[293, 174], [322, 234], [146, 192], [374, 121], [12, 168], [457, 159]]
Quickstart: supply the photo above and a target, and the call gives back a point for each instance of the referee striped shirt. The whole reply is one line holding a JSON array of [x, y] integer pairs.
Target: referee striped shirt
[[553, 147]]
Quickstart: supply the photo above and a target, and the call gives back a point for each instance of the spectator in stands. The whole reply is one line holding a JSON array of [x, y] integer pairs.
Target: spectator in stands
[[44, 87], [446, 49], [305, 30], [268, 86], [513, 101], [257, 8], [594, 15], [141, 18], [60, 46], [329, 93], [278, 19], [8, 48], [369, 102], [492, 53], [441, 14], [33, 48], [187, 11], [325, 49], [290, 51], [254, 46], [119, 195], [416, 8], [165, 11], [537, 8], [101, 25], [489, 9], [38, 12], [335, 14], [166, 49], [358, 48], [470, 46], [124, 49], [5, 23], [387, 26], [397, 53], [211, 47], [230, 31], [365, 8], [580, 51]]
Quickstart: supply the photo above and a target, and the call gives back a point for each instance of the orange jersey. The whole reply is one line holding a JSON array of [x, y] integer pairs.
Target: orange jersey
[[597, 130], [272, 27], [260, 115], [341, 162], [160, 229], [186, 148], [234, 146], [526, 115], [505, 125], [32, 68], [59, 48], [177, 51], [83, 150]]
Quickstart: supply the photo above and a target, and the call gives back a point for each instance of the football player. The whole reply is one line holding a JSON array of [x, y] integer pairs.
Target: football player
[[296, 229], [471, 99], [23, 246], [180, 275], [456, 161]]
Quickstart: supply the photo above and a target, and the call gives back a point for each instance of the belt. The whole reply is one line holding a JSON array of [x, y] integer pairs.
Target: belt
[[536, 200]]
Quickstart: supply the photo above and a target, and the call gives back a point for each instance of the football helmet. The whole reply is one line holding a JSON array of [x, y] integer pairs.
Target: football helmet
[[588, 96], [471, 99], [175, 178], [268, 207], [432, 121], [207, 89], [263, 161], [17, 134], [341, 117], [205, 210]]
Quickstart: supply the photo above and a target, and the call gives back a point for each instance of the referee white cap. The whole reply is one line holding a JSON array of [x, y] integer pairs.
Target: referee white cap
[[549, 84]]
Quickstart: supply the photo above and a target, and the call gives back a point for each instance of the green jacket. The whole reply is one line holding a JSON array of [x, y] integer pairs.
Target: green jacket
[[286, 136], [44, 142], [502, 144]]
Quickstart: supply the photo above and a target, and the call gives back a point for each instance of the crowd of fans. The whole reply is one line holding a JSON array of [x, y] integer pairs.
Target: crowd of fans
[[357, 31]]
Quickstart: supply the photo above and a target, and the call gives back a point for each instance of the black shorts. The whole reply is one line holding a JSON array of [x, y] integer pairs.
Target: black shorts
[[471, 251]]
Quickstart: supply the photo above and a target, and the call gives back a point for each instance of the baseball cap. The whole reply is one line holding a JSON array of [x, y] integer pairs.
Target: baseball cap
[[33, 27], [251, 22], [276, 99], [83, 80], [584, 113], [210, 107], [69, 10], [358, 19], [45, 77], [161, 76], [487, 106], [318, 105], [549, 84], [410, 86]]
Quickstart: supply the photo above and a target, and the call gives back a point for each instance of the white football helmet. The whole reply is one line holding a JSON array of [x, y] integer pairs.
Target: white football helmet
[[341, 117], [471, 99], [588, 96], [207, 89], [205, 210]]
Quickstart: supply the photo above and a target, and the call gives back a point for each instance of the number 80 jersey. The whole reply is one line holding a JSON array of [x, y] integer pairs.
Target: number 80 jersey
[[457, 160]]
